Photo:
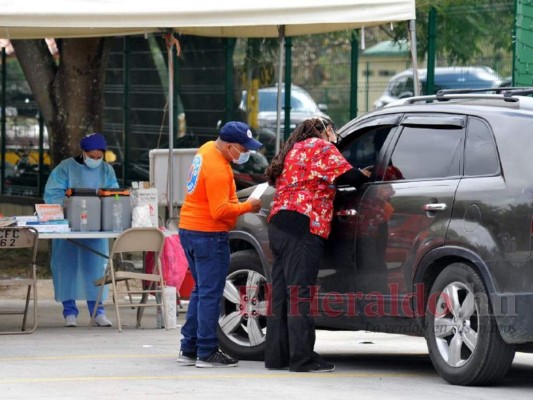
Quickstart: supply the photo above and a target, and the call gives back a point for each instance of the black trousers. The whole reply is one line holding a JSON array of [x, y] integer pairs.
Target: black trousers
[[290, 336]]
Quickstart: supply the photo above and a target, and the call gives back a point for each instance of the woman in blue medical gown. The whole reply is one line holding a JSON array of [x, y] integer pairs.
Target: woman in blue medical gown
[[74, 268]]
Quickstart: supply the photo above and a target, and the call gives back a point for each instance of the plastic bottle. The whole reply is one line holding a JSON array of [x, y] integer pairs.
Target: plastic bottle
[[160, 324], [169, 293], [84, 216], [117, 215]]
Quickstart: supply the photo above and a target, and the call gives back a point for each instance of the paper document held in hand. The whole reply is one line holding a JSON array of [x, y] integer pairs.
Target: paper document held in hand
[[259, 190]]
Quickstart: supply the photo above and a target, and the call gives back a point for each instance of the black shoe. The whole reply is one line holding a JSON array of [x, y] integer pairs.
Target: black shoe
[[286, 367], [323, 366], [185, 358], [216, 360]]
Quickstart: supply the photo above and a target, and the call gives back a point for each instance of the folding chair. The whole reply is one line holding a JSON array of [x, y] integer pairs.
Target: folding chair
[[12, 238], [134, 240]]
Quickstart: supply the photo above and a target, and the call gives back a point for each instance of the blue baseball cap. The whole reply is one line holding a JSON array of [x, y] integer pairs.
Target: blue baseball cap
[[94, 141], [239, 132]]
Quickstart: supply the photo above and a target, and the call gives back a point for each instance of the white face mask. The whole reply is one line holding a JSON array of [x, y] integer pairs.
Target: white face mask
[[92, 164], [243, 157]]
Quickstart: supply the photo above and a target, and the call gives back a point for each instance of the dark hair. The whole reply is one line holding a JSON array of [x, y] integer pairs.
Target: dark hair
[[310, 128]]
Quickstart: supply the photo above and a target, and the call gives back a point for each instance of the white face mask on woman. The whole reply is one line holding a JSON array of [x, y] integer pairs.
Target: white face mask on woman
[[92, 164]]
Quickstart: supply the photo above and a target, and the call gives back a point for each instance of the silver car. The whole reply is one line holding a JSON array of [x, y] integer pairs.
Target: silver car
[[302, 107]]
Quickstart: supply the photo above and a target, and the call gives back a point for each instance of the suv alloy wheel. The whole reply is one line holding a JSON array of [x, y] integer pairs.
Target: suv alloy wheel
[[462, 336], [242, 322]]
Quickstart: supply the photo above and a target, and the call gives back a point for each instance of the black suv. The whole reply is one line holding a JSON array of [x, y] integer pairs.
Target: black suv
[[437, 244]]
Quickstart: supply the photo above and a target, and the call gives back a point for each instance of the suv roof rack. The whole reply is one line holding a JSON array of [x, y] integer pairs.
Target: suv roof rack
[[508, 93]]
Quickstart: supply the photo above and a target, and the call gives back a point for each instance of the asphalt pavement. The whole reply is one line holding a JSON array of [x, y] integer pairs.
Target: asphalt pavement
[[56, 362]]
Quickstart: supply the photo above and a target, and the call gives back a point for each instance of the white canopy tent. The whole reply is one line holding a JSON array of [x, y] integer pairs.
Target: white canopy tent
[[231, 18], [30, 19]]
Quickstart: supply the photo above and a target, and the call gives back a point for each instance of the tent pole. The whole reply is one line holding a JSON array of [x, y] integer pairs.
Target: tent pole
[[412, 39], [3, 132], [170, 174], [281, 30]]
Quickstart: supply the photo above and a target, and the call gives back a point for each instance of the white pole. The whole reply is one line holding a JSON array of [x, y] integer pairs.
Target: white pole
[[170, 174], [412, 39], [280, 84]]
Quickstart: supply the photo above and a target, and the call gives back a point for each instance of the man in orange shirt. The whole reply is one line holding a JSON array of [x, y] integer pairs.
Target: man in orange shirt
[[210, 210]]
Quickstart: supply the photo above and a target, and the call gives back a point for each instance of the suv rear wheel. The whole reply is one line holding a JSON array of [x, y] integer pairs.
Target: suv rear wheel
[[242, 322], [465, 345]]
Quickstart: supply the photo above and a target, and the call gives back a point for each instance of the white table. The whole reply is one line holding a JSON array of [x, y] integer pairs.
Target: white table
[[90, 235], [78, 235], [72, 236]]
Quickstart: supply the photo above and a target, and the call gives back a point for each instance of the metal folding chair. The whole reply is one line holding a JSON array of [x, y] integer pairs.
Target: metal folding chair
[[134, 240], [12, 239]]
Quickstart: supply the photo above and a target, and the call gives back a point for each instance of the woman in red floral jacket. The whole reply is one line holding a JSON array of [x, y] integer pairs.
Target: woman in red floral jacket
[[305, 173]]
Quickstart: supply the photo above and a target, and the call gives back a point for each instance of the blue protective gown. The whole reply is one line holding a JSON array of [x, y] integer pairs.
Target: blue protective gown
[[74, 269]]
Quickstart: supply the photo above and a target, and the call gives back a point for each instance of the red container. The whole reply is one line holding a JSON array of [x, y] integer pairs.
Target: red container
[[187, 286]]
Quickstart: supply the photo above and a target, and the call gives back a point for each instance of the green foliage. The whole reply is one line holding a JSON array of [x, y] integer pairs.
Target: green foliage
[[16, 81], [466, 29]]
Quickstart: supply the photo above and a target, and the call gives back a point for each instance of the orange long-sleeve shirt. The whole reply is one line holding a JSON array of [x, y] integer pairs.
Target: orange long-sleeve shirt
[[211, 203]]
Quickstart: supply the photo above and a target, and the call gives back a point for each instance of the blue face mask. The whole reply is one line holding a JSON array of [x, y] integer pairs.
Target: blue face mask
[[92, 164], [243, 157]]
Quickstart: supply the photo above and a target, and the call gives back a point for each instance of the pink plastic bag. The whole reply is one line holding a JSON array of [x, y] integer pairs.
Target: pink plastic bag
[[173, 262]]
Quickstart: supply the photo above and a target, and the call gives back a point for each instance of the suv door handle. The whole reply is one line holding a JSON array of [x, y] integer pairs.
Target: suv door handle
[[346, 213], [435, 207]]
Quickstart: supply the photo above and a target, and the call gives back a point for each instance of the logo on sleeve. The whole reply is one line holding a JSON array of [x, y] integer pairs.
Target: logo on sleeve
[[194, 173]]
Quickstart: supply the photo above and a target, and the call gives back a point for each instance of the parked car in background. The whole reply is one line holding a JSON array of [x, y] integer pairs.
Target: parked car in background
[[437, 244], [302, 107], [401, 85], [506, 82]]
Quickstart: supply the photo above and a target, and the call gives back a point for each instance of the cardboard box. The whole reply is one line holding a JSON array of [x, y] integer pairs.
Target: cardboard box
[[141, 194]]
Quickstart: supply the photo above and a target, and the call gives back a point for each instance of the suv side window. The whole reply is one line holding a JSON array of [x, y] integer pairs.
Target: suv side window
[[481, 157], [428, 152], [364, 150]]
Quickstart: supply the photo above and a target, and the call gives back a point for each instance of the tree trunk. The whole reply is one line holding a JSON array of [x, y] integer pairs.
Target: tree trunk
[[69, 92]]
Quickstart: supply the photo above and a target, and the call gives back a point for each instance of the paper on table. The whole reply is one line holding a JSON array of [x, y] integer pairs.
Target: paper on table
[[46, 212], [259, 190]]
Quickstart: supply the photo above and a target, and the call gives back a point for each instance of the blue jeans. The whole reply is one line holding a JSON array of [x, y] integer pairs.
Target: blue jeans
[[69, 308], [208, 256]]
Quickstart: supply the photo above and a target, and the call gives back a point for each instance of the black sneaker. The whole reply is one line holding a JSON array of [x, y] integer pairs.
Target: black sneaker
[[216, 360], [323, 366], [185, 358]]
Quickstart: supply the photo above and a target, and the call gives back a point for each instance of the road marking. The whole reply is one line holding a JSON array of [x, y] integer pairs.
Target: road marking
[[86, 357], [204, 377]]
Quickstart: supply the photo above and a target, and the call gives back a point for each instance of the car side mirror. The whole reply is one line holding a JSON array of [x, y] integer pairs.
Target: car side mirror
[[322, 107]]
